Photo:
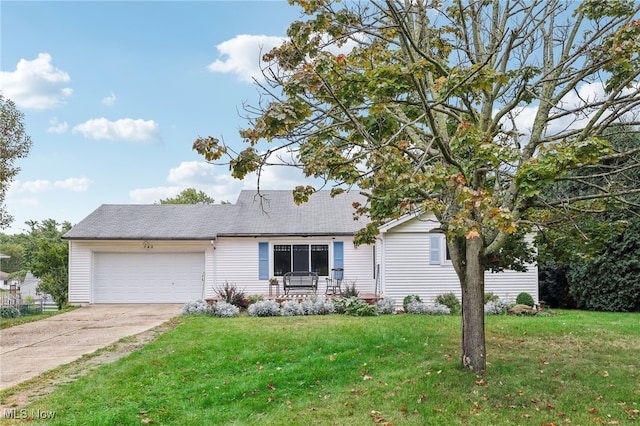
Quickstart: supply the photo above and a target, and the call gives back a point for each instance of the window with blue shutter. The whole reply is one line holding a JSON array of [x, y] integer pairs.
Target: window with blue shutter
[[263, 261], [435, 249]]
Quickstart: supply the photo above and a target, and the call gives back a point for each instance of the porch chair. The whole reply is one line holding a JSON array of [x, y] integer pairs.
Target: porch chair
[[335, 281]]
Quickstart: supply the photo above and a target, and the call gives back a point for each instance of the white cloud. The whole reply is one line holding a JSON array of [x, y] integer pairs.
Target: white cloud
[[73, 184], [242, 55], [128, 129], [109, 100], [277, 177], [191, 172], [36, 84], [153, 195], [43, 185], [217, 182], [582, 102], [56, 127], [32, 186]]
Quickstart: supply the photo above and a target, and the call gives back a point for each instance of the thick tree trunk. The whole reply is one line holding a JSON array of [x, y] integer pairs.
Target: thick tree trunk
[[472, 283]]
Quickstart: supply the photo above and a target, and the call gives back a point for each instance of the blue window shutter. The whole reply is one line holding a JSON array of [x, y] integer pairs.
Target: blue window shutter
[[263, 261], [338, 254], [435, 249]]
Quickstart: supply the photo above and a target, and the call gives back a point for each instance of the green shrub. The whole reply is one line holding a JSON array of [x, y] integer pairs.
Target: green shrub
[[617, 291], [449, 300], [525, 298], [408, 299], [30, 309], [254, 298], [9, 312], [491, 297], [609, 281], [359, 308], [355, 307], [350, 291]]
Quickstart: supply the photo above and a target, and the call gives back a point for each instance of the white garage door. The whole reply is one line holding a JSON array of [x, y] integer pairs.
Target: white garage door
[[148, 277]]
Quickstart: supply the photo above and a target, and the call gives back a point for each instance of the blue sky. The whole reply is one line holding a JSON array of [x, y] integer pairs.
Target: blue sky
[[114, 94]]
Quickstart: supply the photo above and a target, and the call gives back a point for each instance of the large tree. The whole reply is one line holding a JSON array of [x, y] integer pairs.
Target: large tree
[[14, 144], [466, 109]]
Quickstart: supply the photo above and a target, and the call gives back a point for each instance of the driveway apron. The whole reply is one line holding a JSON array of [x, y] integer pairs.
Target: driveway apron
[[28, 350]]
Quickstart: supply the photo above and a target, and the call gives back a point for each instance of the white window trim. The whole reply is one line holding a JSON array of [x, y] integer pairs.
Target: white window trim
[[442, 242]]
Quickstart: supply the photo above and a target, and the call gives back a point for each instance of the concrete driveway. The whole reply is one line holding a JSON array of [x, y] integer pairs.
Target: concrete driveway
[[28, 350]]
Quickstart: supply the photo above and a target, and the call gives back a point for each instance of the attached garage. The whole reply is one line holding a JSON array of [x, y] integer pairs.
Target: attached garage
[[157, 253], [148, 277]]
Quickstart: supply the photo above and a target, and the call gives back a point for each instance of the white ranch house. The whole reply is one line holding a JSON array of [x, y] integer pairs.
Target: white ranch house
[[172, 253]]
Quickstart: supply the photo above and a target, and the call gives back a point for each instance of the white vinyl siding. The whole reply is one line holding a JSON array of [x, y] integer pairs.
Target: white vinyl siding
[[237, 262], [408, 266], [79, 273], [358, 267], [508, 284]]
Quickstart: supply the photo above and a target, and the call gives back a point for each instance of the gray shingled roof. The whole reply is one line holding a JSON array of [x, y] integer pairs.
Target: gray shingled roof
[[276, 214], [154, 221]]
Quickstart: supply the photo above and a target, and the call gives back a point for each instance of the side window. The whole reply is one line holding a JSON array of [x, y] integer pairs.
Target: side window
[[438, 250], [435, 249]]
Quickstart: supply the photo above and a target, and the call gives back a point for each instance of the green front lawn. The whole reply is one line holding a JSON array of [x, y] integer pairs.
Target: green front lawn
[[576, 368]]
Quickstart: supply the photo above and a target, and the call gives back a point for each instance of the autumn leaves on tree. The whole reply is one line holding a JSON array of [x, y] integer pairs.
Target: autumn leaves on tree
[[466, 109]]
